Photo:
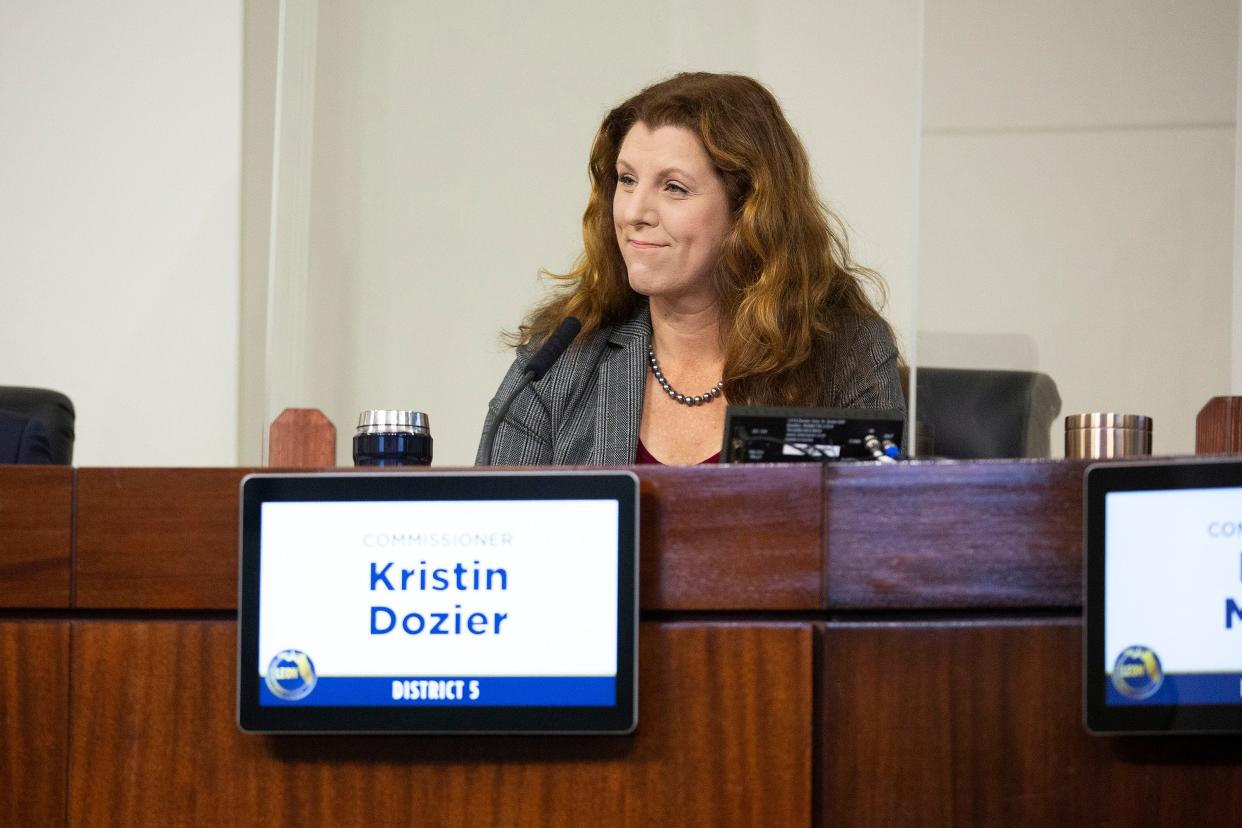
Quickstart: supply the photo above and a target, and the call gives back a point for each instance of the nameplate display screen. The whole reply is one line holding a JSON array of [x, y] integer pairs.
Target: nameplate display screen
[[1164, 597], [488, 602]]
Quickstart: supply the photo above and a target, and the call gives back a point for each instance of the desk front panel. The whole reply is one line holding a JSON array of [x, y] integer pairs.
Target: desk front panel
[[36, 536], [34, 722], [980, 723], [157, 538], [712, 539], [946, 536], [724, 737]]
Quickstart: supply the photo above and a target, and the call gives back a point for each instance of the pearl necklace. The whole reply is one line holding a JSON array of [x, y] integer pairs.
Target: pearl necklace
[[705, 397]]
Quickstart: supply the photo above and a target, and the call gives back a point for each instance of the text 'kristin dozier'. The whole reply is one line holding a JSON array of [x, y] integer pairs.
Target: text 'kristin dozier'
[[459, 577]]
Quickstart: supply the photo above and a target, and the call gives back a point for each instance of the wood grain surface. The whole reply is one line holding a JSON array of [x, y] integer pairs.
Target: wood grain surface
[[1218, 427], [732, 537], [34, 722], [302, 438], [981, 534], [724, 738], [36, 535], [971, 724], [712, 538], [157, 538]]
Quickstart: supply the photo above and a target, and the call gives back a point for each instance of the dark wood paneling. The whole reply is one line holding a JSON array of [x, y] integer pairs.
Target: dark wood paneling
[[167, 538], [34, 722], [1218, 428], [981, 534], [158, 538], [982, 725], [732, 538], [36, 535], [724, 738]]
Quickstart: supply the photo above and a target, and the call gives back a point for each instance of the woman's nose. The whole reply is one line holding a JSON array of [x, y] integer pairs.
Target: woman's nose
[[639, 207]]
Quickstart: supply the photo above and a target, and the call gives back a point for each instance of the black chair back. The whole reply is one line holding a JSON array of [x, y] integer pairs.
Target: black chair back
[[973, 414], [36, 426]]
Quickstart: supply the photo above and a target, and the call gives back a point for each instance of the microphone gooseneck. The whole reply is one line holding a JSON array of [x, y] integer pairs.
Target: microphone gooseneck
[[539, 364], [553, 347]]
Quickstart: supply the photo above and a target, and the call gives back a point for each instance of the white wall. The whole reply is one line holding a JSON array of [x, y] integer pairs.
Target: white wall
[[1078, 201], [449, 166], [119, 177]]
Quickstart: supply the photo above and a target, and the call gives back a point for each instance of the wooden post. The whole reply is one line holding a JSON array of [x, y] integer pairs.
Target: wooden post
[[302, 438], [1218, 428]]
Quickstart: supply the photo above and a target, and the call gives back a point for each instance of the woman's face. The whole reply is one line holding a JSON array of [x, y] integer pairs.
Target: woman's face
[[670, 211]]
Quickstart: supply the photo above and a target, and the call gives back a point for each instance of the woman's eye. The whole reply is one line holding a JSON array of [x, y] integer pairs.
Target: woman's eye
[[676, 189], [625, 180]]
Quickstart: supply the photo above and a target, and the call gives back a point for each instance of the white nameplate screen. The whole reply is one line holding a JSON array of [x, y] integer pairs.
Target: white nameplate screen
[[486, 602]]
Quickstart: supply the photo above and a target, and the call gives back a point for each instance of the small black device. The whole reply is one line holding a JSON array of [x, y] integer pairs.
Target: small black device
[[1163, 553], [768, 434]]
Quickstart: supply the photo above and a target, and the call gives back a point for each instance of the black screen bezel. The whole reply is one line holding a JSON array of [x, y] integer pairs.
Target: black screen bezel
[[1098, 481], [620, 486]]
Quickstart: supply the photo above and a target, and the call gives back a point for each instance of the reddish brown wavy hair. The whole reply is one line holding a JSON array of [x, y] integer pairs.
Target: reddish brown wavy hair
[[784, 277]]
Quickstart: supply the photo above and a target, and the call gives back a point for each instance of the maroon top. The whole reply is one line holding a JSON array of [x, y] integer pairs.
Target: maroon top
[[642, 457]]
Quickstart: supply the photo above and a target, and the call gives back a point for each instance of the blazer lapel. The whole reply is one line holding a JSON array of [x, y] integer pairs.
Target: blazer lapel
[[622, 380]]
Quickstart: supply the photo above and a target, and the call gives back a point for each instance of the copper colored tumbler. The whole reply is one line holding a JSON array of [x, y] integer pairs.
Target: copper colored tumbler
[[1103, 435]]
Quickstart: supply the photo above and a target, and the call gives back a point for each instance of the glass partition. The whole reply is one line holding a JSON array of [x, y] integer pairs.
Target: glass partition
[[1077, 202], [447, 166], [1046, 188]]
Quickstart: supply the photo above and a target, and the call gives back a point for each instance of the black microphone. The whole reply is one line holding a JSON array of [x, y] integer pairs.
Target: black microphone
[[553, 347], [539, 364]]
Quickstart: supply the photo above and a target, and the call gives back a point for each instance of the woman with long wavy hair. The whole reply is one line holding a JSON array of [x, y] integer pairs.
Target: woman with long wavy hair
[[711, 273]]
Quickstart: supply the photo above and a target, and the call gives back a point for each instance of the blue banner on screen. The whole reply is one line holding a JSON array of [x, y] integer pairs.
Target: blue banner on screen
[[1214, 688], [1173, 597], [438, 603], [373, 691]]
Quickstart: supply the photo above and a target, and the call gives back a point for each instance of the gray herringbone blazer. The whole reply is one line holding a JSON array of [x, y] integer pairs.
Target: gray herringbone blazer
[[586, 410]]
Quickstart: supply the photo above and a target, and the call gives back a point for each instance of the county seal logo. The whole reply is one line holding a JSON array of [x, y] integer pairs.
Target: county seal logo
[[291, 675], [1137, 673]]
